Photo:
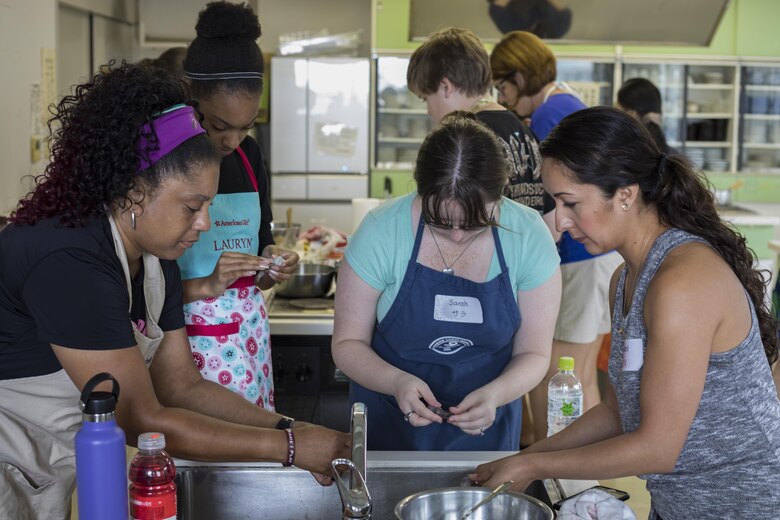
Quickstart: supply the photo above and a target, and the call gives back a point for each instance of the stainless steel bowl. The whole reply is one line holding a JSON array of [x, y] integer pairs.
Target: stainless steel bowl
[[309, 281], [451, 503]]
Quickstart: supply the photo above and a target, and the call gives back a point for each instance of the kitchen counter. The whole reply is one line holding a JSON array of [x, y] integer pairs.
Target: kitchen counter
[[286, 320], [759, 223], [751, 214]]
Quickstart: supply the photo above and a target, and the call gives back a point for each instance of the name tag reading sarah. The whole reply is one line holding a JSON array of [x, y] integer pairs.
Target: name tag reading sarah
[[460, 309]]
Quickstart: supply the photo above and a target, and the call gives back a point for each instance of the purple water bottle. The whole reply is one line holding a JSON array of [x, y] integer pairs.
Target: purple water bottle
[[100, 455]]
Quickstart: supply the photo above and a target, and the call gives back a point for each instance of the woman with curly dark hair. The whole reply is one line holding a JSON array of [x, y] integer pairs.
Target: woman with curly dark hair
[[89, 283], [225, 312], [692, 406]]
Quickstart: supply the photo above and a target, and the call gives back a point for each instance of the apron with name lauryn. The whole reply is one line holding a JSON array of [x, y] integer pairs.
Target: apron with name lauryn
[[39, 417], [230, 334]]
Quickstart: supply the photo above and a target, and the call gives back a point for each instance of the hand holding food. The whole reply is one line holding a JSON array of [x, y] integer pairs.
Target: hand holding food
[[409, 392], [281, 263], [231, 266], [475, 413]]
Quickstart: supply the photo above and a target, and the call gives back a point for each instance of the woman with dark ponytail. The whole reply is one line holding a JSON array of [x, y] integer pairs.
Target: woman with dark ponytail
[[641, 99], [225, 312], [692, 406]]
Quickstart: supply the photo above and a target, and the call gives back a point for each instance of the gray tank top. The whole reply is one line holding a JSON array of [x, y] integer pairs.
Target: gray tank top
[[729, 466]]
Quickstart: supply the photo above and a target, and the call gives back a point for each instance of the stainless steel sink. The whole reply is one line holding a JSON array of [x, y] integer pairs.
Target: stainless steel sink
[[267, 491]]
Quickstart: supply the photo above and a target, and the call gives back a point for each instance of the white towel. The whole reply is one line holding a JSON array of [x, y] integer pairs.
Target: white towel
[[595, 504]]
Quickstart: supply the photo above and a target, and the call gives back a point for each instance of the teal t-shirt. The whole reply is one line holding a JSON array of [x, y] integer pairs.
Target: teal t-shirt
[[380, 249]]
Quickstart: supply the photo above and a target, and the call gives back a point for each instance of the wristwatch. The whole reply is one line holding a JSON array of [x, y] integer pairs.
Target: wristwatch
[[285, 423]]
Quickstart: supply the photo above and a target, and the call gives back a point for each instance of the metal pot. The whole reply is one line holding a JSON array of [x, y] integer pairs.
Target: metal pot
[[451, 503], [309, 281]]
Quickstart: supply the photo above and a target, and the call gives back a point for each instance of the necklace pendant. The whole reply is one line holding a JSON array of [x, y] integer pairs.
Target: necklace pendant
[[448, 270]]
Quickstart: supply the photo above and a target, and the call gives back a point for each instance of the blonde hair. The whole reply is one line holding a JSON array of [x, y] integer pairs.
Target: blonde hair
[[524, 52], [454, 53]]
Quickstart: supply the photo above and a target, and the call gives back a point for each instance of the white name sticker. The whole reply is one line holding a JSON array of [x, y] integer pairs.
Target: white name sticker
[[460, 309], [633, 355]]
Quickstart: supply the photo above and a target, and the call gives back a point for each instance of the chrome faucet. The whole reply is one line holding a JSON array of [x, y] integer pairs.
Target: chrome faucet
[[355, 499]]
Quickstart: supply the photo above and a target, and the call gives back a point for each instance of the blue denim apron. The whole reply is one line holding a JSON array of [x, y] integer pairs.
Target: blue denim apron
[[454, 352]]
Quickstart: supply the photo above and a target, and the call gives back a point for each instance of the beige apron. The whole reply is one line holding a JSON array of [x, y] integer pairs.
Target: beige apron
[[39, 418]]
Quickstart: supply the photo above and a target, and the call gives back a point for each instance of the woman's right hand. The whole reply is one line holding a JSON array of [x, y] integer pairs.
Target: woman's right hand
[[232, 266], [409, 391], [317, 446]]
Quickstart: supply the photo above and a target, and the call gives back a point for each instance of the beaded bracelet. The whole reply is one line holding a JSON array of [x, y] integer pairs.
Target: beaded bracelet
[[290, 448]]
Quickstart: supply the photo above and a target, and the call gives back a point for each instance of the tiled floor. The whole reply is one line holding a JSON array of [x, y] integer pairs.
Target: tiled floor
[[640, 498]]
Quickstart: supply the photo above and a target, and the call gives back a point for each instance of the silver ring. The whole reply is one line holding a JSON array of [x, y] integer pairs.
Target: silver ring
[[407, 415], [482, 431]]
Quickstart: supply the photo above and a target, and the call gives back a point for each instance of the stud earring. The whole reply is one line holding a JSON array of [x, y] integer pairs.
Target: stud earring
[[624, 206], [132, 218]]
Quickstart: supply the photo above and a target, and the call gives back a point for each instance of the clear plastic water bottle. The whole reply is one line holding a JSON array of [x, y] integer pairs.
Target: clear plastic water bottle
[[100, 454], [152, 489], [564, 397]]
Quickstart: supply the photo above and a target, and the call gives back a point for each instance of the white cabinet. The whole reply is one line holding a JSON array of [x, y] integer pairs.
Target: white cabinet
[[319, 115], [289, 114], [319, 187], [289, 187]]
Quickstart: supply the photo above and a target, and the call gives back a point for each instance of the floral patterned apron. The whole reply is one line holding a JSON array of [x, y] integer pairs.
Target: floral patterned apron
[[230, 334]]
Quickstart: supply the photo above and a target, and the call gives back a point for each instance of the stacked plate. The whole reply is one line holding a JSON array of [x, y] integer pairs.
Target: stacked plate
[[696, 156], [717, 165]]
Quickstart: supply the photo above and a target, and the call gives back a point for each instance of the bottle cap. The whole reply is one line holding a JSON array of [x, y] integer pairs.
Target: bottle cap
[[99, 402], [565, 363], [151, 441]]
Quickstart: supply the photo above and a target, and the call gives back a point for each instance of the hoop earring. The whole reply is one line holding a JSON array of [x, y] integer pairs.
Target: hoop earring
[[624, 206], [132, 218]]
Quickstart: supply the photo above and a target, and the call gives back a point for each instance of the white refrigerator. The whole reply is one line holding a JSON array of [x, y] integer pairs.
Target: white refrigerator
[[319, 137]]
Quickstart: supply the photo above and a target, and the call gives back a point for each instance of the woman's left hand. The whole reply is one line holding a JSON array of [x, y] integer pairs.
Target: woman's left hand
[[499, 471], [475, 413], [279, 273]]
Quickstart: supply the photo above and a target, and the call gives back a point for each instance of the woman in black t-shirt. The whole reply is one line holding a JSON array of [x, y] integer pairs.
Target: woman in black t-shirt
[[89, 284]]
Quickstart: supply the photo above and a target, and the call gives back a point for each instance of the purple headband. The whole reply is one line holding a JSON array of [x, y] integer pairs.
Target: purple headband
[[173, 126]]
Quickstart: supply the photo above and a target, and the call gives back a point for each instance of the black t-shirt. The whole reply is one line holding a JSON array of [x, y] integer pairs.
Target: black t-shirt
[[65, 285], [233, 179], [522, 148]]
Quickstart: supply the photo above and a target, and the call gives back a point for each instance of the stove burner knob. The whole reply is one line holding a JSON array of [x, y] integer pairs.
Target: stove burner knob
[[304, 373], [279, 372]]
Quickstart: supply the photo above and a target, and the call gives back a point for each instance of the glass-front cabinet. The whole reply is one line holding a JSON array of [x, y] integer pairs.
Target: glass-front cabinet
[[724, 115], [760, 111], [698, 109], [402, 121], [669, 80], [593, 81]]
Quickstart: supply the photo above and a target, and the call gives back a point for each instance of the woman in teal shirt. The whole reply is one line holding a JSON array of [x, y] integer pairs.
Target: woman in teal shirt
[[442, 332]]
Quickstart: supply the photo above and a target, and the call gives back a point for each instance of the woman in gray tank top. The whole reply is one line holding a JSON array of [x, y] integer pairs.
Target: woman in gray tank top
[[692, 407]]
